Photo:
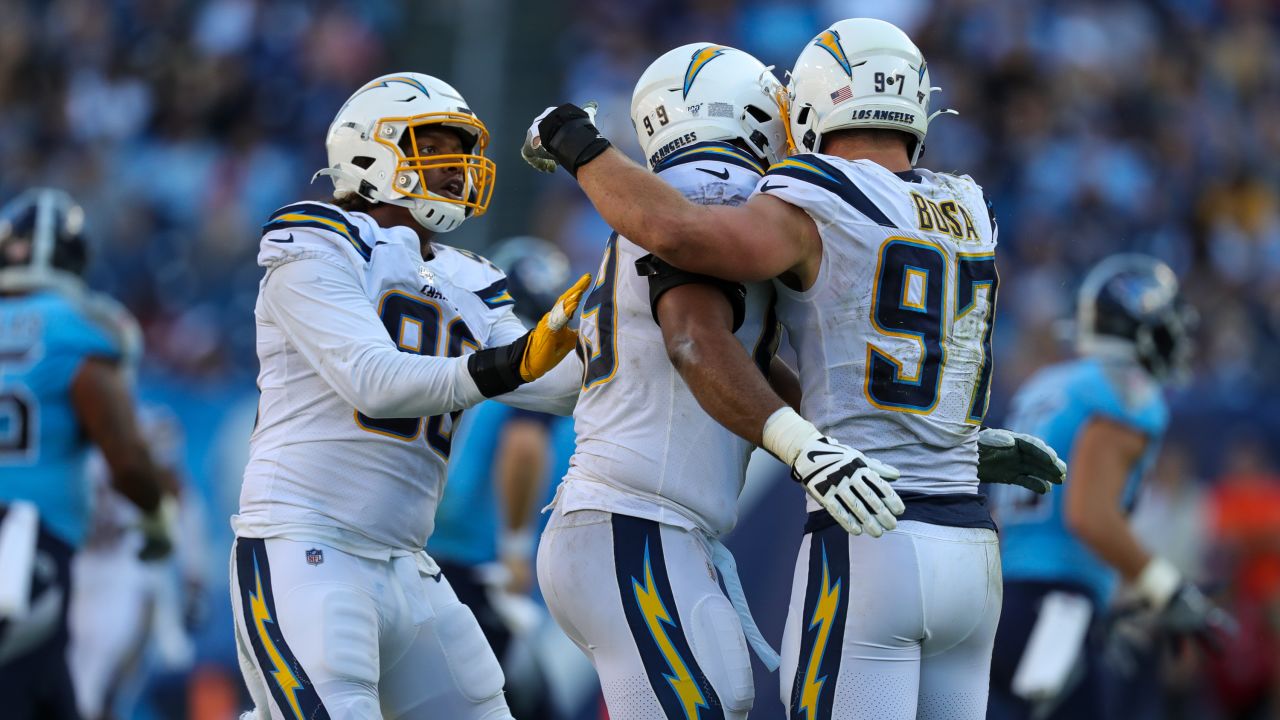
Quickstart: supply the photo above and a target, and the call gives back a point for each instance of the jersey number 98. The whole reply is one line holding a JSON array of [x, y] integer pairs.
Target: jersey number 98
[[415, 324]]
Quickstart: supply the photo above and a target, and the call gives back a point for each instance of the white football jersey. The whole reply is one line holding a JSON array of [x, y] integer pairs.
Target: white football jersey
[[316, 461], [645, 447], [894, 338]]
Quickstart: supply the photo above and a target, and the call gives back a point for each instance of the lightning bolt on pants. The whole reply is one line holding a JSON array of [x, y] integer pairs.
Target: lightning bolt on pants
[[899, 627], [641, 600], [322, 633]]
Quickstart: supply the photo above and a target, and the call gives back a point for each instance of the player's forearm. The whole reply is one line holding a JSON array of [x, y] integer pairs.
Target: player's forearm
[[384, 383], [724, 381], [104, 406], [1105, 530], [785, 382], [521, 462], [555, 393], [645, 209]]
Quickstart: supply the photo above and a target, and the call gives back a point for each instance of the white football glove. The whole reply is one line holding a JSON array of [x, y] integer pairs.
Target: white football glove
[[533, 152], [852, 487], [1009, 458]]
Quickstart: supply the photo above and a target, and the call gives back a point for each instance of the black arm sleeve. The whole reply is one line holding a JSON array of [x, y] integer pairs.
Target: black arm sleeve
[[664, 276]]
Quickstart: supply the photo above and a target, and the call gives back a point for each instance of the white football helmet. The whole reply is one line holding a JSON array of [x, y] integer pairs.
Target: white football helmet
[[860, 73], [702, 92], [367, 156]]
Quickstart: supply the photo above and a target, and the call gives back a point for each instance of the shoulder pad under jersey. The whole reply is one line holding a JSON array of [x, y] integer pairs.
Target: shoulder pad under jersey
[[712, 173], [818, 187], [473, 272], [297, 228], [95, 324]]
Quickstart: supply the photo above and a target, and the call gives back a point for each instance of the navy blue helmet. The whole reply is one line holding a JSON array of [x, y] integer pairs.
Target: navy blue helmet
[[1131, 304], [41, 238], [537, 272]]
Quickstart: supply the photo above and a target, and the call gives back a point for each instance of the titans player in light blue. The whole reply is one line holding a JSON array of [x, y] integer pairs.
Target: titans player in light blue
[[1063, 552], [64, 354], [505, 464]]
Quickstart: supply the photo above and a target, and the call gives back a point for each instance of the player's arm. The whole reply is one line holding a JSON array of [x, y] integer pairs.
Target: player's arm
[[520, 464], [556, 392], [762, 239], [1105, 453], [697, 321], [697, 326], [103, 403], [323, 310], [104, 406], [785, 382]]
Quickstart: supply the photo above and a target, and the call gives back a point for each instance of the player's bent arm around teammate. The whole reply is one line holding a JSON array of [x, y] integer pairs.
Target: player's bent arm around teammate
[[759, 240], [697, 326]]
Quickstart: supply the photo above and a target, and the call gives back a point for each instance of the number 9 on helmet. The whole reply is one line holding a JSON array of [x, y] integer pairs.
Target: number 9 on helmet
[[860, 73], [703, 92]]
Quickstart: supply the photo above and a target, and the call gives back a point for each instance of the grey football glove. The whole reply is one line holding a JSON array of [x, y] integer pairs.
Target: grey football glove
[[1009, 458]]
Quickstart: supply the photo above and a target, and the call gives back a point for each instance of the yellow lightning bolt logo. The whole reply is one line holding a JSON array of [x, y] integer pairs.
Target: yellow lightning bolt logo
[[829, 40], [655, 616], [699, 60], [282, 673], [824, 613]]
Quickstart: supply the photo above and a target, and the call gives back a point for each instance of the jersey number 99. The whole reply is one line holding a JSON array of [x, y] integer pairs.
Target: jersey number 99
[[910, 301], [415, 324]]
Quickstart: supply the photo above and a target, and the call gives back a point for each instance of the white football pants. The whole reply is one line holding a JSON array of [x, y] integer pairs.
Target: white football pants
[[892, 628], [641, 599], [112, 602], [322, 632]]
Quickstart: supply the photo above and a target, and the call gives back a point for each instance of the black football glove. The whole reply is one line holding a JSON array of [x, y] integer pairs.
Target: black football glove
[[568, 134]]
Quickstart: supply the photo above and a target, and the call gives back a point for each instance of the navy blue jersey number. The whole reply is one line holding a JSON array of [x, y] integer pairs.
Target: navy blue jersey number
[[414, 324], [909, 301], [972, 273], [602, 356]]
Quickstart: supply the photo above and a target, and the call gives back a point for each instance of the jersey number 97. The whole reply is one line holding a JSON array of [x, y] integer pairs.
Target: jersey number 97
[[910, 300]]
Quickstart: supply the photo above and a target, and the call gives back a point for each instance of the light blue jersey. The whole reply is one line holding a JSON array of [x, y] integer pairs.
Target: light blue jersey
[[467, 519], [1055, 404], [44, 337]]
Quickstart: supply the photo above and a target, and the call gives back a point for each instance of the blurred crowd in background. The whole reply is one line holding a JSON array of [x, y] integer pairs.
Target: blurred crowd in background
[[1096, 126]]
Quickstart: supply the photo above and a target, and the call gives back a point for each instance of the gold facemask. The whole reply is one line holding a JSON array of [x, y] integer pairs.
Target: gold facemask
[[478, 172]]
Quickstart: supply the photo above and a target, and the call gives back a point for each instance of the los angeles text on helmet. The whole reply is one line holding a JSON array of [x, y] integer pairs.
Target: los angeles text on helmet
[[688, 138], [885, 115]]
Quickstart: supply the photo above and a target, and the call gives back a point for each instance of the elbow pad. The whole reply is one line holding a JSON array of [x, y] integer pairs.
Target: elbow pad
[[496, 370], [664, 276]]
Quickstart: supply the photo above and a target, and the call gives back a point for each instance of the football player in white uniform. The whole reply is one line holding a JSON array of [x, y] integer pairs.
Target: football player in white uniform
[[371, 336], [626, 562], [886, 284]]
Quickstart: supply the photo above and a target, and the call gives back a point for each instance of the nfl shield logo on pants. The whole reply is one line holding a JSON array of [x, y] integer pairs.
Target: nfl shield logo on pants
[[315, 556]]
